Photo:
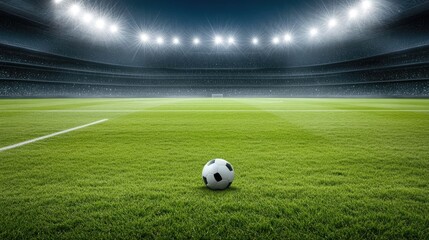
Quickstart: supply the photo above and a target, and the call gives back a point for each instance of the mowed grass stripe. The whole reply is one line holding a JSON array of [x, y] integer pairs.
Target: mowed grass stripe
[[231, 110], [299, 175], [51, 135]]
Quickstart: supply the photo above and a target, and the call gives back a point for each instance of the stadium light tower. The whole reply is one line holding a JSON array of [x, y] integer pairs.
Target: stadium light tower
[[196, 41], [176, 41], [100, 23], [160, 40], [332, 23], [366, 5], [255, 41], [353, 13], [144, 38], [74, 9], [313, 32], [218, 40], [288, 38], [231, 40], [114, 28], [276, 40], [87, 18]]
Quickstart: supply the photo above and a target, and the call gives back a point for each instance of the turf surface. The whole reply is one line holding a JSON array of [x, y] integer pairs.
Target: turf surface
[[305, 169]]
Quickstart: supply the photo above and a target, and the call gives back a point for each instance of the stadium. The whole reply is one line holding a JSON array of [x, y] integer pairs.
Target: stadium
[[110, 110]]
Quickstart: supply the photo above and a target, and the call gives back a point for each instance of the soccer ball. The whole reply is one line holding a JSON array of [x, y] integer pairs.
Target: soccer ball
[[218, 174]]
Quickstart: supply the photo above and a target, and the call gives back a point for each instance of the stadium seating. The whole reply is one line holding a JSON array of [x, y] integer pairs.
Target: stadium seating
[[26, 73]]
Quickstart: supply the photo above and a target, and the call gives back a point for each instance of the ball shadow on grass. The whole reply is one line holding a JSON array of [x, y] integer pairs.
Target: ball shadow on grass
[[207, 190]]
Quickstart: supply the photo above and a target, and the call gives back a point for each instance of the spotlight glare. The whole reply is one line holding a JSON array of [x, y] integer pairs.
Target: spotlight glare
[[100, 24], [353, 13], [144, 38], [196, 41], [58, 1], [231, 40], [87, 18], [255, 41], [114, 28], [160, 40], [333, 22], [313, 32], [176, 41], [218, 40], [288, 38], [276, 40], [366, 5], [74, 9]]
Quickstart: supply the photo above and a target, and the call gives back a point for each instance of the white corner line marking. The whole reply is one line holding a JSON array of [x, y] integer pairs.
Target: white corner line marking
[[51, 135]]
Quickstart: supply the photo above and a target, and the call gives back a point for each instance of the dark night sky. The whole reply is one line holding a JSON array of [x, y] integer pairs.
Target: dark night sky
[[199, 10], [245, 18], [243, 14]]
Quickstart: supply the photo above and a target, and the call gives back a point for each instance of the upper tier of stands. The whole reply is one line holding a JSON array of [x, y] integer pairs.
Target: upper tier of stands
[[29, 73]]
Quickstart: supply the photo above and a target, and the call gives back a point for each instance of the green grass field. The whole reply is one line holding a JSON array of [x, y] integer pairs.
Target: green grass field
[[305, 169]]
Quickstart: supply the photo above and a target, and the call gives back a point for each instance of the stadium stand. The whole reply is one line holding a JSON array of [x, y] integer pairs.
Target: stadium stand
[[27, 73]]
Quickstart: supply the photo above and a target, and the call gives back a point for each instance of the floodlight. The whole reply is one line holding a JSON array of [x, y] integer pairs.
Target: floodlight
[[353, 13], [87, 18], [74, 9], [196, 41], [160, 40], [332, 23], [176, 41], [58, 1], [218, 40], [255, 41], [100, 23], [276, 40], [288, 38], [366, 5], [144, 38], [231, 40], [313, 32], [114, 28]]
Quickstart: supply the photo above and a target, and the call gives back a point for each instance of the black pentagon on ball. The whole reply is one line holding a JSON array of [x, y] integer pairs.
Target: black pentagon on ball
[[229, 167], [229, 185], [205, 180], [211, 162], [218, 177]]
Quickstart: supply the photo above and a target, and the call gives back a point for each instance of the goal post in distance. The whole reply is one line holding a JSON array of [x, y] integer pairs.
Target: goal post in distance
[[217, 95]]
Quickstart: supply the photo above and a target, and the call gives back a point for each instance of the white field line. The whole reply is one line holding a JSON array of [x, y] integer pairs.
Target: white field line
[[69, 111], [51, 135], [225, 110]]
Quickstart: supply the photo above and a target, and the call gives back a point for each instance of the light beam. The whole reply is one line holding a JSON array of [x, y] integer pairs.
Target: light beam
[[313, 32], [100, 24], [218, 40], [255, 41], [160, 40], [87, 18], [74, 10], [176, 41], [353, 13], [114, 28], [144, 37], [288, 38], [276, 40], [332, 23], [196, 41], [231, 40]]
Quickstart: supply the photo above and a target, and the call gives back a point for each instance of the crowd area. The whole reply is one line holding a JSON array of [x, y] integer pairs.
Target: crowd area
[[25, 73]]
